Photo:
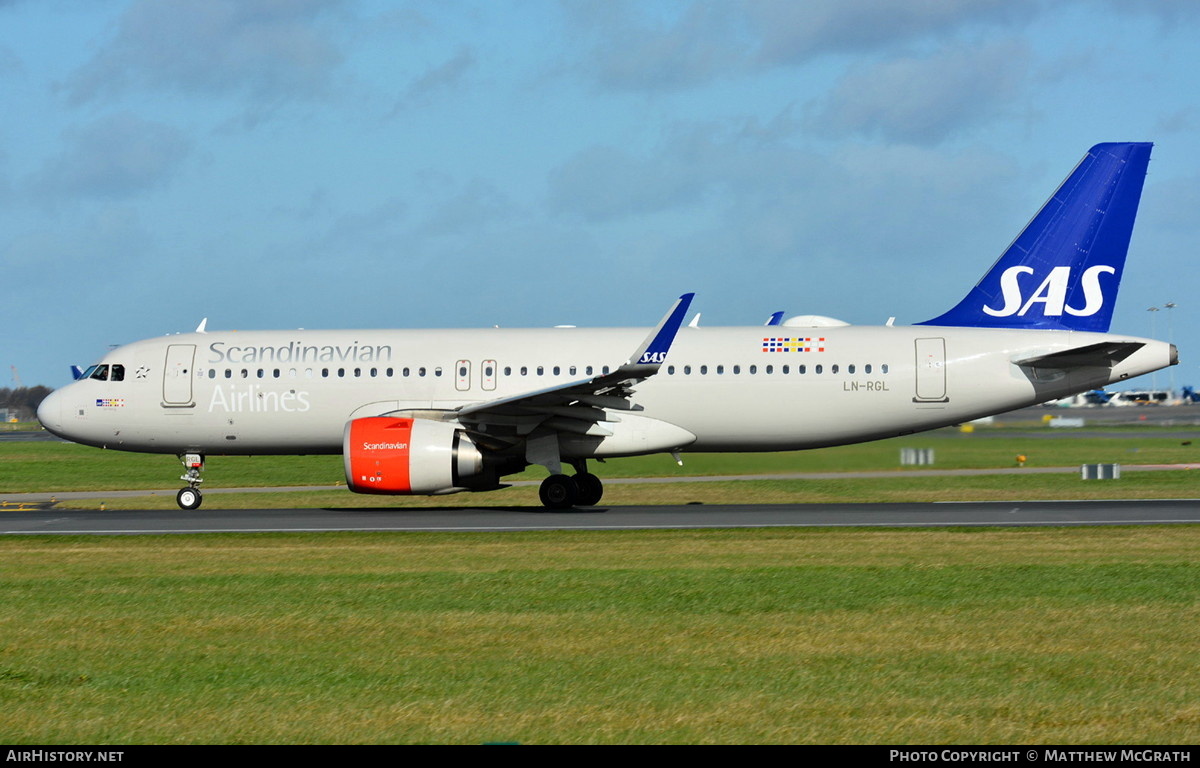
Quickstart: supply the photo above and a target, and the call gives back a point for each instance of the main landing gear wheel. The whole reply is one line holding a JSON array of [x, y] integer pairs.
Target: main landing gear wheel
[[590, 489], [559, 492], [189, 498]]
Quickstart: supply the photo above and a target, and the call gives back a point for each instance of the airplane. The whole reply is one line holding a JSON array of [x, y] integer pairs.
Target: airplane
[[444, 411]]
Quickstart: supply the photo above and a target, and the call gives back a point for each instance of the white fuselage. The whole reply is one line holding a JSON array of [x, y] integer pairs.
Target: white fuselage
[[759, 388]]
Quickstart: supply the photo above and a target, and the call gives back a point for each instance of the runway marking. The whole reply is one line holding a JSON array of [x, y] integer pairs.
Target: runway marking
[[865, 475], [1061, 501], [614, 527]]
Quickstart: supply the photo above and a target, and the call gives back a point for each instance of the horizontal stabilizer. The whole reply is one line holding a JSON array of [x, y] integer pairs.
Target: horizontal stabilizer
[[1105, 354]]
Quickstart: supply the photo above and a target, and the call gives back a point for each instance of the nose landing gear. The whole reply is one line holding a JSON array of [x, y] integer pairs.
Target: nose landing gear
[[190, 497]]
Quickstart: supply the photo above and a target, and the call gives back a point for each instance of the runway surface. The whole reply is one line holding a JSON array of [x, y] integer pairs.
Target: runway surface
[[955, 514]]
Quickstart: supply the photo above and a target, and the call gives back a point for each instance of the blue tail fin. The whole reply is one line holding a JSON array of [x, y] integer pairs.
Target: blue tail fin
[[1063, 270]]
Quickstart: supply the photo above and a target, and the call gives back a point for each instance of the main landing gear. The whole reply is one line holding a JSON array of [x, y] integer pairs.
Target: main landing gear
[[565, 491], [190, 497]]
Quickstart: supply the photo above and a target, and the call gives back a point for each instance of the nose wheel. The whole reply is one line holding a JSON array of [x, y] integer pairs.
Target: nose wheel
[[190, 497]]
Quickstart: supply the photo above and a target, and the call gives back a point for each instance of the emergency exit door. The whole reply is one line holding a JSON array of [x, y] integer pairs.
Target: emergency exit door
[[931, 371]]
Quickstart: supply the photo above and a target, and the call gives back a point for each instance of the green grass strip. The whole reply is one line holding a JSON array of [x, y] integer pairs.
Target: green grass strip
[[781, 636]]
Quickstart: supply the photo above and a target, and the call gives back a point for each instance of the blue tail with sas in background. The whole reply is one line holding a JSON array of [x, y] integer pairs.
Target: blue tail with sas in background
[[1063, 270]]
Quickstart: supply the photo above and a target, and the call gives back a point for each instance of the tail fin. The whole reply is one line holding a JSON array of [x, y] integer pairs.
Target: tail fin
[[1064, 268]]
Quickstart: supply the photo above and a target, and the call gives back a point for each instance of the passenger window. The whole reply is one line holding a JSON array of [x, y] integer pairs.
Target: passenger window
[[341, 373], [420, 371], [670, 370], [801, 369], [754, 369], [737, 369], [357, 372], [405, 373], [275, 372], [437, 371], [228, 373], [261, 373], [390, 371], [557, 370], [687, 370], [588, 370], [770, 368], [720, 369], [245, 373], [817, 369], [833, 368], [867, 368], [572, 370], [884, 368], [524, 371], [508, 370], [850, 368], [784, 369], [324, 373], [703, 370], [541, 370], [212, 373]]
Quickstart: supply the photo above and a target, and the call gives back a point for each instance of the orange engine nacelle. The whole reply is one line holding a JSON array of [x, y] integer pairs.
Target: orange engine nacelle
[[389, 455]]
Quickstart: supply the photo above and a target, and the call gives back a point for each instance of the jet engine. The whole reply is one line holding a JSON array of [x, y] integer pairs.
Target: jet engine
[[393, 455]]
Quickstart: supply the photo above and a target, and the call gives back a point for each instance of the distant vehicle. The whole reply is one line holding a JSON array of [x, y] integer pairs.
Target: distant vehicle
[[442, 411], [1144, 397], [1091, 398]]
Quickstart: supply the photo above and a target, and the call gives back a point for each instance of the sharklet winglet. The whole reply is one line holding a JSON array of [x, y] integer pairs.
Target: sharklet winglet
[[653, 350]]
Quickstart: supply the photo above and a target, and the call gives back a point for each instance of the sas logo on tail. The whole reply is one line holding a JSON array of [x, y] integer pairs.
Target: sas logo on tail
[[1052, 293]]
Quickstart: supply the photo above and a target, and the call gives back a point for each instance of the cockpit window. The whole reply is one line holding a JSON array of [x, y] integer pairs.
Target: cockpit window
[[87, 374], [100, 374], [117, 373]]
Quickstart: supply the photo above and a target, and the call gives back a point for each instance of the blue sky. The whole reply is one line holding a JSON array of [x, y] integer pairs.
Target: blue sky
[[359, 164]]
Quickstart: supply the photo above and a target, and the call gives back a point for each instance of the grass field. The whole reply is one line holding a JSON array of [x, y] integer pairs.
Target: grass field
[[781, 636], [1006, 636], [1145, 485], [51, 466]]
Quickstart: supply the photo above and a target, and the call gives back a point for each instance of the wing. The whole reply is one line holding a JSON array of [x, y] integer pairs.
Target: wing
[[579, 407]]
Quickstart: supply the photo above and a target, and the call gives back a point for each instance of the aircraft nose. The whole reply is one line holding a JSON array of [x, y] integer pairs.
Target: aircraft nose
[[49, 412]]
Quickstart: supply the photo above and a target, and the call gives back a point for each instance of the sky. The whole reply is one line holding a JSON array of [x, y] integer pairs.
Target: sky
[[381, 164]]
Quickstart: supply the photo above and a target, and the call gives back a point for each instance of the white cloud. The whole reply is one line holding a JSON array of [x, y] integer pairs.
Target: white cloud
[[443, 77], [924, 99], [792, 32], [638, 46], [632, 49], [117, 156], [264, 50]]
